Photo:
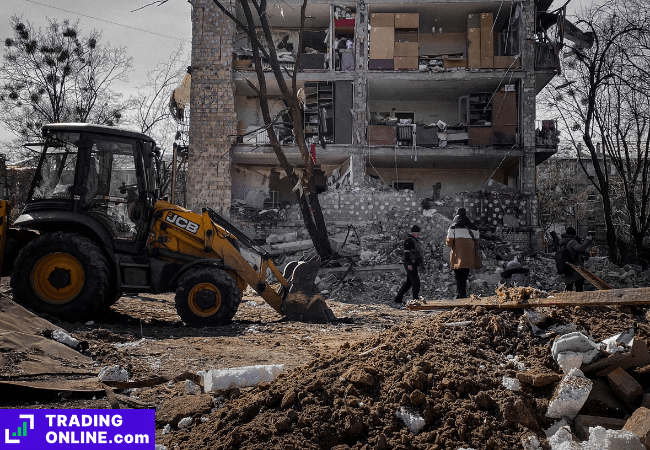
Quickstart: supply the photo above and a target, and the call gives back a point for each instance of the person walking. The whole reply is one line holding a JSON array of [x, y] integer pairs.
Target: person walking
[[412, 262], [577, 253], [463, 238]]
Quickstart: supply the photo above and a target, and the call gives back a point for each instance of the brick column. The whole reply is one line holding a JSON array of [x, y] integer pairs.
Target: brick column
[[528, 169], [213, 121], [360, 75]]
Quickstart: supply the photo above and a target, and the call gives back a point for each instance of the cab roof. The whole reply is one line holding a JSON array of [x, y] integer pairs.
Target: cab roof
[[100, 129]]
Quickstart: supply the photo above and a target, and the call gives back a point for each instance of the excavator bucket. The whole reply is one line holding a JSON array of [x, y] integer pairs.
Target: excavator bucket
[[303, 303]]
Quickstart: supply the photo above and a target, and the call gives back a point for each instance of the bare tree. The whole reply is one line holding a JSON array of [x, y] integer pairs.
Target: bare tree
[[562, 196], [58, 75], [151, 113], [305, 185], [603, 96]]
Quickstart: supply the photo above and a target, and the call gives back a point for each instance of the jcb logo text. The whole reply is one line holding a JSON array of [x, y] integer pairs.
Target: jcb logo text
[[182, 222]]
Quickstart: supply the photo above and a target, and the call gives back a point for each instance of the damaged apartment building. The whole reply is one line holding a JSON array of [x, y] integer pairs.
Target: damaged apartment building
[[434, 97]]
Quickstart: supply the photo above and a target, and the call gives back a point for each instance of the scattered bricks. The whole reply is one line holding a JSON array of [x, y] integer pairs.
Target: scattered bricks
[[638, 356], [639, 424], [570, 395], [584, 422], [602, 401], [538, 379], [624, 386]]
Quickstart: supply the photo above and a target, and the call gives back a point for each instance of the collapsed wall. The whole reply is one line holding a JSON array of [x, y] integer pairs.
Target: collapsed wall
[[500, 211]]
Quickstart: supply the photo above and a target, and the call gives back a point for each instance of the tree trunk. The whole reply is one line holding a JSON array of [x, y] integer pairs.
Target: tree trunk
[[307, 195]]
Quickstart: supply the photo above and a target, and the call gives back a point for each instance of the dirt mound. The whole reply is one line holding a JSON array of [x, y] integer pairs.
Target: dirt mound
[[449, 375]]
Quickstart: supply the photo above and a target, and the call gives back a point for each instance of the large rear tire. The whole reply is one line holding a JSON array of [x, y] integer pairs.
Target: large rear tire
[[62, 274], [207, 297]]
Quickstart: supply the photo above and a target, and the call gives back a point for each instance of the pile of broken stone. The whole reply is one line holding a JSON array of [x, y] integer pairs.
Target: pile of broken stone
[[598, 373]]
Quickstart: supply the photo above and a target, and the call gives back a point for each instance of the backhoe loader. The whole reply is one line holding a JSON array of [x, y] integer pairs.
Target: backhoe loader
[[94, 227]]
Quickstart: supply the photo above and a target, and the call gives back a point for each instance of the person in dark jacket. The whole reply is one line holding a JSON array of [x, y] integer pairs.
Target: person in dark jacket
[[463, 238], [579, 254], [515, 274], [412, 262]]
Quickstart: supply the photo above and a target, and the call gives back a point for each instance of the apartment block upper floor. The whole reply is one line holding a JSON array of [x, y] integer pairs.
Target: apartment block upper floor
[[404, 75]]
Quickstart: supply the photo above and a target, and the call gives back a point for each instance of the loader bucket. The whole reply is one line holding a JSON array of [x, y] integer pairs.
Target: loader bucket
[[303, 303]]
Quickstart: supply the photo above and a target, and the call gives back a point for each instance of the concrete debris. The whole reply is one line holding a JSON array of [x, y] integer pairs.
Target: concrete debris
[[599, 439], [573, 342], [223, 379], [512, 384], [184, 422], [531, 443], [64, 338], [555, 427], [413, 421], [570, 395], [584, 422], [192, 388], [113, 373]]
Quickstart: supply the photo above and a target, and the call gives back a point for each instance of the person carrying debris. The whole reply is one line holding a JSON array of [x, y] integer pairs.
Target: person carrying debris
[[412, 261], [575, 252], [463, 238], [515, 274]]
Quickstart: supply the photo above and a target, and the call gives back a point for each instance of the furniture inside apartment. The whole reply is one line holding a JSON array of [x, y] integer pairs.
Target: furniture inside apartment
[[427, 136], [318, 115], [406, 135], [382, 135], [344, 45], [475, 110]]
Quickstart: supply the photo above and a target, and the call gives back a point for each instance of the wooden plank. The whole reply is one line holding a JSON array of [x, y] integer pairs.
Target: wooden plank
[[636, 296], [593, 279]]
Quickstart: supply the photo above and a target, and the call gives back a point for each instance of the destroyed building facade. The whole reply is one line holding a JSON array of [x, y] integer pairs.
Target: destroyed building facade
[[435, 97]]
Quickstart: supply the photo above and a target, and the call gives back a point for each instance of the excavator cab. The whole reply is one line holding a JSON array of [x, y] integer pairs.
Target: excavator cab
[[109, 178]]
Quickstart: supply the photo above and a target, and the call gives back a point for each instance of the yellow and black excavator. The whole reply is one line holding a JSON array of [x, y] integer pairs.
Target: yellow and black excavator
[[94, 227]]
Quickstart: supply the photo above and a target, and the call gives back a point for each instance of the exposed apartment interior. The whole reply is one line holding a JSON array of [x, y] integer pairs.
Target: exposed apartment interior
[[425, 93]]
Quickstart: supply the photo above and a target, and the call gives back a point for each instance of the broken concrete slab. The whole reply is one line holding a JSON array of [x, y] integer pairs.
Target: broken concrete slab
[[570, 395], [583, 422], [624, 386], [639, 424]]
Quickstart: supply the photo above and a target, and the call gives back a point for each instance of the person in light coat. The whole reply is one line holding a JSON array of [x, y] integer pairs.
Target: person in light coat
[[463, 238]]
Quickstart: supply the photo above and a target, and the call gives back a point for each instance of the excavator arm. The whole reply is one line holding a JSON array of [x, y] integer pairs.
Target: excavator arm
[[209, 236]]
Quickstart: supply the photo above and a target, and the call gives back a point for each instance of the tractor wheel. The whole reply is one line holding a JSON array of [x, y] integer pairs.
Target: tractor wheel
[[62, 274], [207, 297]]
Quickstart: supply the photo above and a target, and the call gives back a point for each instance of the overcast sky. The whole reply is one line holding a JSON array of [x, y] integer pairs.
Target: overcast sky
[[149, 35]]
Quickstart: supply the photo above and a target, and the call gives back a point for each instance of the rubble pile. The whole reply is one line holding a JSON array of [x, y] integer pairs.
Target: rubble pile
[[471, 379], [382, 249]]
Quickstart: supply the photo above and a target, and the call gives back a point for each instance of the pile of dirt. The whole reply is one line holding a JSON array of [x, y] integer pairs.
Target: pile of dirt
[[448, 371]]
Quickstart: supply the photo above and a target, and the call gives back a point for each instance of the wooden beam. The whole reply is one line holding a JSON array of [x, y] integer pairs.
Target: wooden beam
[[636, 296]]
